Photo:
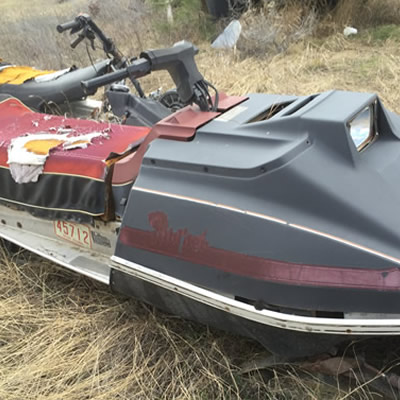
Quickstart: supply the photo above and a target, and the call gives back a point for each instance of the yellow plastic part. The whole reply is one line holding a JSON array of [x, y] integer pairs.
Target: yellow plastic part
[[42, 147], [20, 74]]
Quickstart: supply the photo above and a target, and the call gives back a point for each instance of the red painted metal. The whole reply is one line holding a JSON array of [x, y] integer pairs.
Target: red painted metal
[[226, 102], [181, 125]]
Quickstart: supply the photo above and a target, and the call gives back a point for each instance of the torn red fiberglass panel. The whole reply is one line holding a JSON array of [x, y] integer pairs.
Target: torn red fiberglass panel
[[85, 145], [181, 125]]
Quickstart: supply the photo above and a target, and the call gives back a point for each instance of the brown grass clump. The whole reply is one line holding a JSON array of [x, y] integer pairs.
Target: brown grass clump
[[366, 13], [361, 14], [64, 337], [276, 25]]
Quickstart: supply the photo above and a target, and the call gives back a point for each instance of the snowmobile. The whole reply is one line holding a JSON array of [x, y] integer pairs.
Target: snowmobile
[[60, 92], [274, 217]]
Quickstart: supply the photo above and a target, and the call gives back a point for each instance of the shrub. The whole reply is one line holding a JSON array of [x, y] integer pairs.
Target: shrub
[[270, 29], [190, 21]]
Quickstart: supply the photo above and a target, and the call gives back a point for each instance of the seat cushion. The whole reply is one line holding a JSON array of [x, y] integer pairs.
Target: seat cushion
[[77, 157]]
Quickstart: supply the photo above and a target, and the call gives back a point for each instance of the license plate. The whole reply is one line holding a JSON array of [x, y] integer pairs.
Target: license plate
[[76, 233]]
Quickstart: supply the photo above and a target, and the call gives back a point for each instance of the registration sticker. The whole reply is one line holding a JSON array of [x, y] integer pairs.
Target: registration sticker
[[76, 233]]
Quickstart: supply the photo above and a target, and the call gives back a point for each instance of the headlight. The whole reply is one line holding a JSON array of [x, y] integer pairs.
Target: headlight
[[362, 129]]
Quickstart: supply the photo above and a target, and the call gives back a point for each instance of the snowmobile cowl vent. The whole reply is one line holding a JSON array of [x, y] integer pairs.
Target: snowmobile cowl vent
[[270, 112]]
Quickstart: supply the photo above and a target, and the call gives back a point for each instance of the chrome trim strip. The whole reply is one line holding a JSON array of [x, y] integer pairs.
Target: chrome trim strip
[[273, 219], [265, 317]]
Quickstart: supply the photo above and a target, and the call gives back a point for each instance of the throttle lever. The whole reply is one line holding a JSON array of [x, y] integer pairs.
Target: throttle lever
[[76, 29]]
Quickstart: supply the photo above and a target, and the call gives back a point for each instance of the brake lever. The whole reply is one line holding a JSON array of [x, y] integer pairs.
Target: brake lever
[[92, 44], [79, 39], [91, 36]]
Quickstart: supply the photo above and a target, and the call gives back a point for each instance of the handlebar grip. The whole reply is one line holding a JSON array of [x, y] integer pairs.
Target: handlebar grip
[[104, 80], [69, 25]]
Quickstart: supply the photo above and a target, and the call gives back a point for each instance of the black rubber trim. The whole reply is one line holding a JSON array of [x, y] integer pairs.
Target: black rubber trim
[[280, 341]]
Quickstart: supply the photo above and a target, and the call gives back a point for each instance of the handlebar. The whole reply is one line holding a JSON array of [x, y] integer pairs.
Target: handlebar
[[86, 28], [90, 30], [137, 69], [75, 24], [178, 61]]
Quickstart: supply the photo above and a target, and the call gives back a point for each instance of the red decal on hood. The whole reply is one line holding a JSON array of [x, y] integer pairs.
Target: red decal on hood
[[183, 245]]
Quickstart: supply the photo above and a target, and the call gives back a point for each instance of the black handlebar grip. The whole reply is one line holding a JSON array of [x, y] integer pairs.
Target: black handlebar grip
[[99, 81], [68, 25]]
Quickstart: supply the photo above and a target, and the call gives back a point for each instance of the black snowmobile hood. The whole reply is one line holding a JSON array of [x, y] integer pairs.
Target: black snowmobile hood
[[299, 165]]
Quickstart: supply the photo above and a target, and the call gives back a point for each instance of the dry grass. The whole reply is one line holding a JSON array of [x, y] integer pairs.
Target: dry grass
[[312, 66], [66, 337]]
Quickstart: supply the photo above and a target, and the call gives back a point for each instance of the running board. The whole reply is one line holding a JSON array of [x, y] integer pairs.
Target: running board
[[86, 262], [349, 327]]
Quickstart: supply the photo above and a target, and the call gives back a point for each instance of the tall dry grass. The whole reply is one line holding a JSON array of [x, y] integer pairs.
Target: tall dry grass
[[66, 337], [312, 66]]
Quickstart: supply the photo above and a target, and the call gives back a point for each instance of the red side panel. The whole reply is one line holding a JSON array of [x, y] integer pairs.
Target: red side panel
[[196, 249], [226, 102], [181, 125]]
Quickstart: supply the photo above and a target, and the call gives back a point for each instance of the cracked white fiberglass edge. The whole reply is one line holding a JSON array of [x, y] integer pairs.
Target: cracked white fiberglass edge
[[27, 163]]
